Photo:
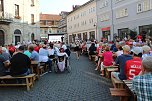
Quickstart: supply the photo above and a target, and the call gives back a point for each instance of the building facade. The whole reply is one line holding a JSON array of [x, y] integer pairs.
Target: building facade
[[49, 25], [82, 22], [63, 25], [132, 17], [17, 24], [104, 19], [124, 18]]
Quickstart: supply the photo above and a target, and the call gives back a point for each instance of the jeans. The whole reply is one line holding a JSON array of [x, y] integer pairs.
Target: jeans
[[49, 62]]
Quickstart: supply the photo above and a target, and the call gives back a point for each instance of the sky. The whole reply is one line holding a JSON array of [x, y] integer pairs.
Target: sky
[[56, 6]]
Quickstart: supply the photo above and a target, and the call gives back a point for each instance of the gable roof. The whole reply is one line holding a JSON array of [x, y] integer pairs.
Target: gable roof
[[50, 17]]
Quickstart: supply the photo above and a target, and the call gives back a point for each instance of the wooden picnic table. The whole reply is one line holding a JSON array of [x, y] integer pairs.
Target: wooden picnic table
[[128, 86], [35, 68]]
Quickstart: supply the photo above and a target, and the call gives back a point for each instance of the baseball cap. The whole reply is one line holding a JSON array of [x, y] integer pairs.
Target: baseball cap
[[137, 50], [126, 48], [146, 48]]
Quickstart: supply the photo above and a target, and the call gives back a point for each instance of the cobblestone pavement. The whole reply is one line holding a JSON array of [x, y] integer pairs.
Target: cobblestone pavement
[[82, 84]]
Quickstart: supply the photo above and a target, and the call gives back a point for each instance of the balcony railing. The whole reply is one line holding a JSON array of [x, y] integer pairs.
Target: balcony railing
[[4, 20]]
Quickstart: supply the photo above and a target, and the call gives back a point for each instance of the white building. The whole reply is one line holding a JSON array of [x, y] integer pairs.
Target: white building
[[81, 22], [19, 21]]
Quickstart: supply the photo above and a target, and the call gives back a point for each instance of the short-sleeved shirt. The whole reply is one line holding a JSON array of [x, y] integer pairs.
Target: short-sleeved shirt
[[19, 64], [107, 58], [27, 53], [2, 67], [34, 56], [121, 60], [142, 86], [133, 68]]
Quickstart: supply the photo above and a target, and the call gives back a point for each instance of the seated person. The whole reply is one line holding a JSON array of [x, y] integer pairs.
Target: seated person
[[107, 59], [61, 59], [92, 49], [142, 84], [3, 64], [51, 51], [121, 60], [5, 54], [34, 55], [20, 63], [43, 57], [133, 67]]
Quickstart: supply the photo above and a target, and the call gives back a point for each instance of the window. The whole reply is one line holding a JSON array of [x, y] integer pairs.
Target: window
[[32, 2], [32, 19], [146, 5], [1, 7], [121, 13], [150, 4], [17, 11], [139, 8], [116, 1], [125, 12]]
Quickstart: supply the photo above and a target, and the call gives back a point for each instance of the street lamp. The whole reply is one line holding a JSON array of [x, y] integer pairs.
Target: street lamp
[[95, 25]]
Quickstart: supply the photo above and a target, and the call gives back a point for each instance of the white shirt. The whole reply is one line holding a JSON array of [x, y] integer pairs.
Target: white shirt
[[62, 54], [119, 53], [51, 51], [64, 47]]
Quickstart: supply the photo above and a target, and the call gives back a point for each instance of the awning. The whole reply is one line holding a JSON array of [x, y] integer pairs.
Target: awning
[[105, 29]]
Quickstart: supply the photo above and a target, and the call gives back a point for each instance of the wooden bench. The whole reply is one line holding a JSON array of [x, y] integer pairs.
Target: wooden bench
[[122, 93], [41, 70], [92, 57], [117, 83], [45, 66], [29, 81], [109, 69]]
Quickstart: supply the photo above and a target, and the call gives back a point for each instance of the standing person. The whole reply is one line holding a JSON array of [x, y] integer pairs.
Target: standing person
[[20, 63], [77, 49], [142, 84]]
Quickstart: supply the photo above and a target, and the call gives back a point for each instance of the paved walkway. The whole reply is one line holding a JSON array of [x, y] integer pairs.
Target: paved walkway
[[82, 84]]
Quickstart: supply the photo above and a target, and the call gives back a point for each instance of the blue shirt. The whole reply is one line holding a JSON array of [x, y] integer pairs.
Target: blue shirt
[[34, 56], [43, 52], [27, 53], [142, 86], [121, 60]]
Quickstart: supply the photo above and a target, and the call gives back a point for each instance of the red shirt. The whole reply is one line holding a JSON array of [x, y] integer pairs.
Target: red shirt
[[11, 49], [37, 48], [99, 49], [139, 37], [133, 68], [107, 58]]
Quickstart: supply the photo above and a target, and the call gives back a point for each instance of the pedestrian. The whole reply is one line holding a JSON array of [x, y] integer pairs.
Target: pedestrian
[[77, 49]]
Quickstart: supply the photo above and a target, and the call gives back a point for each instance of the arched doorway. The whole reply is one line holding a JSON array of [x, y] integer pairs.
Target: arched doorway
[[2, 38], [17, 34], [32, 37]]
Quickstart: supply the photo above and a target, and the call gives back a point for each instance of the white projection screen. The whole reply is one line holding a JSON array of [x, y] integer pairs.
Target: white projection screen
[[54, 38]]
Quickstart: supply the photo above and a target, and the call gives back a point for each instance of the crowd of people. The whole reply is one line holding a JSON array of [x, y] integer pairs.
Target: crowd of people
[[133, 57], [16, 60]]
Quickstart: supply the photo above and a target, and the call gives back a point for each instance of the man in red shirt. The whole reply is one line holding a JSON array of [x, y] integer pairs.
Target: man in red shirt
[[133, 67]]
